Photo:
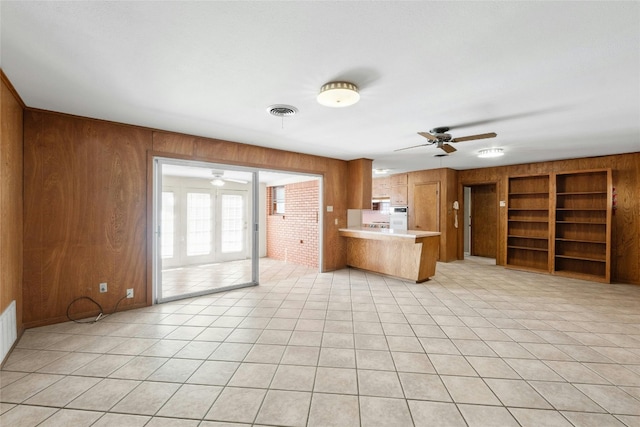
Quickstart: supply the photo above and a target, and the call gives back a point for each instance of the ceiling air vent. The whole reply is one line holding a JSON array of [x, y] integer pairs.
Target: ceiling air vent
[[280, 110]]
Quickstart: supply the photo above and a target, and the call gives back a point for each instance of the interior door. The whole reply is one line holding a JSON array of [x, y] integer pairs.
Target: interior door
[[484, 220], [426, 207]]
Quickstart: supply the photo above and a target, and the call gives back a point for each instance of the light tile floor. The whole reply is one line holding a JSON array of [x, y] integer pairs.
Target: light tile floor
[[478, 345], [207, 277]]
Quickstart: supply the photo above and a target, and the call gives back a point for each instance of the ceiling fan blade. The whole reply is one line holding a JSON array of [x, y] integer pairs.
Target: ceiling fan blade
[[448, 148], [428, 136], [413, 146], [472, 137]]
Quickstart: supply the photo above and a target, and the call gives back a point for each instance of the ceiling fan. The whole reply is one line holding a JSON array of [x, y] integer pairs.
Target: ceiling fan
[[441, 139], [219, 179]]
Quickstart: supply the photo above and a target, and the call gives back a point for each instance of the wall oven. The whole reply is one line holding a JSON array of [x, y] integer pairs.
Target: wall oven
[[398, 217]]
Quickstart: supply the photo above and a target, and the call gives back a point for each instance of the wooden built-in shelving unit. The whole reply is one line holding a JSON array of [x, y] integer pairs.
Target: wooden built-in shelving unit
[[561, 224], [528, 223], [583, 224]]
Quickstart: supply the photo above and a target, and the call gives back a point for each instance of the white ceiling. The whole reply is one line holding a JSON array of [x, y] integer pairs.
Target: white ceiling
[[554, 80], [270, 178]]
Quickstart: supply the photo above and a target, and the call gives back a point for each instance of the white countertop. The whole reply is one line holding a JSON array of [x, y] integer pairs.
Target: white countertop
[[392, 232]]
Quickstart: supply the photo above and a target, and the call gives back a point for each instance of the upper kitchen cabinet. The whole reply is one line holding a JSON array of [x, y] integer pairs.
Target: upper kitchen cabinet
[[399, 190], [381, 188]]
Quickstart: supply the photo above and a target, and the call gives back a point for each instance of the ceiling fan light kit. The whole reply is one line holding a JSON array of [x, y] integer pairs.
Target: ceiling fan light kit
[[338, 94], [217, 182], [490, 152]]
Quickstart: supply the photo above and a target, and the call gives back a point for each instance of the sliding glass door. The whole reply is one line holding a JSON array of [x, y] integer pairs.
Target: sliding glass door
[[204, 215]]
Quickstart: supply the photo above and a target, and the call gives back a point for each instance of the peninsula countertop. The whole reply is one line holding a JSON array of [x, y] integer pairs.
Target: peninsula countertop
[[409, 254], [376, 233]]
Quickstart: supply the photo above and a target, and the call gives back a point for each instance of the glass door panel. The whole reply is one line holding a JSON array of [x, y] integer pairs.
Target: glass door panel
[[199, 221], [233, 225]]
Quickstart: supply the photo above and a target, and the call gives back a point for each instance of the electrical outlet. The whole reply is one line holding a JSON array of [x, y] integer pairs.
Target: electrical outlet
[[103, 287], [130, 293]]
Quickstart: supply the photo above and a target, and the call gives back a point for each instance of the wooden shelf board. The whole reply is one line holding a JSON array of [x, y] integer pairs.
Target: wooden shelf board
[[528, 237], [528, 248], [529, 209], [582, 276], [529, 220], [531, 269], [580, 258], [581, 209], [534, 193], [562, 239], [581, 193], [581, 222]]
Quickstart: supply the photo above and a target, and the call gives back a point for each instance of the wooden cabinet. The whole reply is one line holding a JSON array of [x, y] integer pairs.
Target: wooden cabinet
[[399, 179], [583, 224], [399, 190], [528, 233], [381, 188], [399, 196]]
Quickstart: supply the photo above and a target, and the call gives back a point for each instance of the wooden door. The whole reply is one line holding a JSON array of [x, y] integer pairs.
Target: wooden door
[[426, 207], [484, 220]]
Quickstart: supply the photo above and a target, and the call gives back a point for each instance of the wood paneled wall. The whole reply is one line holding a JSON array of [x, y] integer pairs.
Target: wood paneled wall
[[359, 184], [11, 186], [87, 207], [626, 219], [448, 194], [84, 213]]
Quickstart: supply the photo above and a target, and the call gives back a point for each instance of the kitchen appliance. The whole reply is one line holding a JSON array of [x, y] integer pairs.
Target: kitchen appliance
[[398, 217]]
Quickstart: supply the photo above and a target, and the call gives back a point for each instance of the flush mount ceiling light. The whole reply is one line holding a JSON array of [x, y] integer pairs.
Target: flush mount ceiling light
[[490, 152], [338, 94], [380, 171]]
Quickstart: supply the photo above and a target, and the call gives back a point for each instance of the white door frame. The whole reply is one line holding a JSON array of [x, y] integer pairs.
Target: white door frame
[[253, 227]]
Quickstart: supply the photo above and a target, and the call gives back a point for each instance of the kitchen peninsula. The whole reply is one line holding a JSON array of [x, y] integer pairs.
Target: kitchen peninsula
[[409, 254]]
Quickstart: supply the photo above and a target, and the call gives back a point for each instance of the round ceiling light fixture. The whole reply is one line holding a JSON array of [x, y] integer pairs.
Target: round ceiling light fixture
[[338, 94], [490, 152]]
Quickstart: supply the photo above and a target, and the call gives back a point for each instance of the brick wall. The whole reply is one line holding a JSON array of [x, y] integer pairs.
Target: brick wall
[[293, 237]]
